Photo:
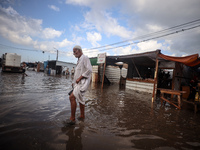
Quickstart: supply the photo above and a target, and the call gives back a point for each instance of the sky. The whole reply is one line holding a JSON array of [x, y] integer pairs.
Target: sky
[[37, 29]]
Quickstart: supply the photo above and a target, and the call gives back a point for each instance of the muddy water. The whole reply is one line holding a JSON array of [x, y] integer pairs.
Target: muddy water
[[33, 108]]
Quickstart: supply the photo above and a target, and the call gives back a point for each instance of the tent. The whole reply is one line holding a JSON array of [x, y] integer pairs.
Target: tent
[[139, 65]]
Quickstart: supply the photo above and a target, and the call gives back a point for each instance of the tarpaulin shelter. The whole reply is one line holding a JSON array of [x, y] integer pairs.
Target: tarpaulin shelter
[[192, 60], [143, 69]]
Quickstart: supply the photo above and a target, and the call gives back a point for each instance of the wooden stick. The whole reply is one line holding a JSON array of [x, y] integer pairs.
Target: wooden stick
[[136, 68], [170, 102], [155, 78], [103, 74]]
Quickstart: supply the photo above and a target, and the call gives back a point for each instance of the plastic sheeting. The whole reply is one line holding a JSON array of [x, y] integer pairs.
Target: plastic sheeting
[[191, 60]]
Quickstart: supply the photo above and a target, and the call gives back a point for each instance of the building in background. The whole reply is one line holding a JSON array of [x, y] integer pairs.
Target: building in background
[[58, 67]]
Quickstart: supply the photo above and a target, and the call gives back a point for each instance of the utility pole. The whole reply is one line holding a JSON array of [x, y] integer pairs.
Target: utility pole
[[56, 59], [57, 56]]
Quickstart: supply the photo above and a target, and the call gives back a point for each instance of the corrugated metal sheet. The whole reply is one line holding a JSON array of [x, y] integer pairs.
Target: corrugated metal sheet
[[61, 63], [113, 73], [95, 69], [66, 65], [139, 86], [95, 74]]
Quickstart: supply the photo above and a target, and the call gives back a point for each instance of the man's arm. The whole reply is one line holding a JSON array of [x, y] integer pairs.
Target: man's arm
[[79, 79]]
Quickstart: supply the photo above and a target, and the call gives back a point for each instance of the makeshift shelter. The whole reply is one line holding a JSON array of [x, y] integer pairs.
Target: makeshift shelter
[[57, 67], [145, 70], [112, 71]]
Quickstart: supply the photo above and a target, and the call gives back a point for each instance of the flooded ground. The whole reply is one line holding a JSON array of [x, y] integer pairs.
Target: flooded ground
[[33, 109]]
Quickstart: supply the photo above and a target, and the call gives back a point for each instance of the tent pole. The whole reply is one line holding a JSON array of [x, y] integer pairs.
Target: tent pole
[[155, 78], [103, 74], [136, 68]]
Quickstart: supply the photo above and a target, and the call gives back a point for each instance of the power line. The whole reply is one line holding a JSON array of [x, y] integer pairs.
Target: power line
[[146, 39], [19, 48], [150, 34], [25, 49]]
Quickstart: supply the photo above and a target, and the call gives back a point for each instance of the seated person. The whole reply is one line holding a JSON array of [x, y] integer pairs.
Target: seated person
[[193, 87]]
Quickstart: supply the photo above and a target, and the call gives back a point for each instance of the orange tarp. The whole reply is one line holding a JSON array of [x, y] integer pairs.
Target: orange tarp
[[192, 60]]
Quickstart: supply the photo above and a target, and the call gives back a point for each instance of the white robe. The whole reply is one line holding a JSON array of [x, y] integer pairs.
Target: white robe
[[83, 68]]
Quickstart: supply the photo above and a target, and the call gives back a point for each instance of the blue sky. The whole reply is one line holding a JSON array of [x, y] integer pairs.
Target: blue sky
[[29, 27]]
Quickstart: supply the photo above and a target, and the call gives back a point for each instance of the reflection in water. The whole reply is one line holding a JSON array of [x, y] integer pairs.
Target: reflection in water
[[23, 80], [74, 137], [72, 77], [33, 109]]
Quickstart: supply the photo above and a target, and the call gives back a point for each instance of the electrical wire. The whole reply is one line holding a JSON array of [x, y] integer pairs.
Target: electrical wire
[[150, 34], [156, 37], [136, 40], [19, 48]]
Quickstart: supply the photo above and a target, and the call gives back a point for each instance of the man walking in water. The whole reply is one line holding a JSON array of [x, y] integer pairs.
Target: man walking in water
[[24, 69], [80, 84]]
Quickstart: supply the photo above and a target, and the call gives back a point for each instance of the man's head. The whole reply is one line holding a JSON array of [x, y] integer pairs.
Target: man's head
[[77, 51]]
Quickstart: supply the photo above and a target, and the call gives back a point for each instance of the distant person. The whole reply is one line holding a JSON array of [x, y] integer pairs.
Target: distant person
[[46, 70], [67, 71], [72, 71], [193, 87], [80, 84], [24, 69]]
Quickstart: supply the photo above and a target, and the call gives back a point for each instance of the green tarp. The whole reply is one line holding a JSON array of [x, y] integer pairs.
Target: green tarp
[[93, 61]]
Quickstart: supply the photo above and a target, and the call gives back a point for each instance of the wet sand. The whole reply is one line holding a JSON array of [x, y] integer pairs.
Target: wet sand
[[33, 109]]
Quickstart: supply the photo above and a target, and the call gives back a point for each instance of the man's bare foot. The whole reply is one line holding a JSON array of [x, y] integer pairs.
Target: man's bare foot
[[81, 118]]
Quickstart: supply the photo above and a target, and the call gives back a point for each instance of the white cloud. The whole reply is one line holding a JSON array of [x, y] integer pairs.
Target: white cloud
[[77, 39], [149, 45], [65, 43], [10, 11], [91, 53], [140, 48], [49, 33], [11, 21], [168, 14], [93, 38], [51, 46], [144, 17], [103, 22], [115, 19], [76, 28], [94, 4], [43, 47], [78, 2], [98, 18], [154, 27], [54, 8], [24, 31], [123, 50]]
